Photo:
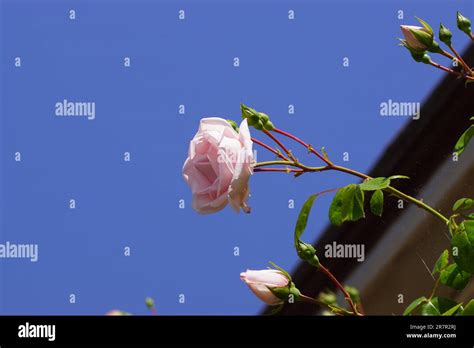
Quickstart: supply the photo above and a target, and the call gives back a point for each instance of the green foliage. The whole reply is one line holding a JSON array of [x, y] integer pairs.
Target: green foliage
[[469, 308], [304, 250], [463, 204], [347, 205], [453, 311], [464, 140], [462, 245], [453, 277], [441, 263], [375, 184], [376, 203], [437, 306], [303, 216], [415, 305]]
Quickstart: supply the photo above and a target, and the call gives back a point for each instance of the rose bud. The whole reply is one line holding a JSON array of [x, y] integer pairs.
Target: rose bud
[[260, 282], [219, 164], [412, 34], [420, 38]]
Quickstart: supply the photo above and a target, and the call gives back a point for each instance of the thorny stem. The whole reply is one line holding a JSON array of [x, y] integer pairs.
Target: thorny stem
[[269, 148], [309, 147], [283, 147]]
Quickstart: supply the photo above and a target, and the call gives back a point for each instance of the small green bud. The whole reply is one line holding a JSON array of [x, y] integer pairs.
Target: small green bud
[[252, 120], [233, 124], [264, 117], [421, 57], [464, 24], [445, 35], [435, 47], [269, 126], [307, 253], [258, 125], [149, 302]]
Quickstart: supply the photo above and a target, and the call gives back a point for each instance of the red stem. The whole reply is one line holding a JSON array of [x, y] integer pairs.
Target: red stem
[[309, 147], [269, 148], [463, 63], [271, 136], [340, 287], [439, 66]]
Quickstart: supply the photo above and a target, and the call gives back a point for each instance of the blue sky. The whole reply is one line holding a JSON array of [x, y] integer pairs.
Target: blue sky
[[135, 204]]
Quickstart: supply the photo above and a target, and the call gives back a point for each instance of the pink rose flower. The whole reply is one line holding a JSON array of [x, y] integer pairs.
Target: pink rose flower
[[260, 282], [411, 39], [219, 166]]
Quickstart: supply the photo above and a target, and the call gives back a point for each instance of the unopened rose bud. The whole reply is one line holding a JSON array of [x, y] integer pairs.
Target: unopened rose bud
[[264, 117], [445, 35], [464, 24], [307, 253], [269, 126], [417, 38], [258, 125], [418, 56], [264, 281]]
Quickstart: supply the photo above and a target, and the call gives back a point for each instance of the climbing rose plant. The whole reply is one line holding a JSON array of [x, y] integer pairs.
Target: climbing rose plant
[[220, 163]]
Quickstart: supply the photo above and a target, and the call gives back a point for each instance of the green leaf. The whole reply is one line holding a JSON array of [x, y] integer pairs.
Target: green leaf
[[470, 216], [347, 205], [453, 277], [335, 210], [463, 204], [303, 217], [429, 309], [414, 305], [375, 184], [462, 245], [463, 140], [441, 263], [452, 311], [469, 308], [376, 203], [437, 305], [394, 177]]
